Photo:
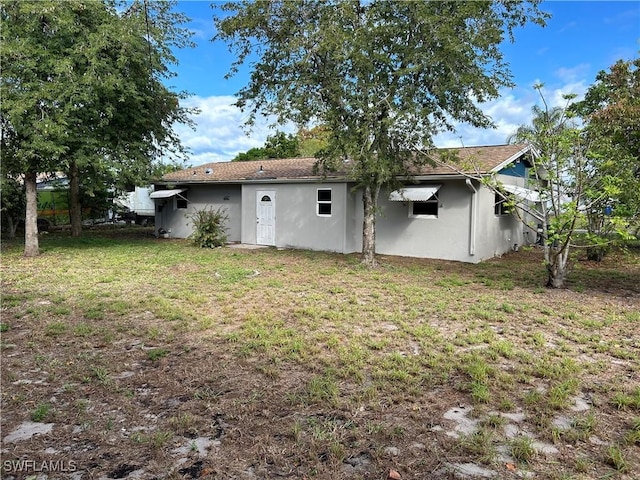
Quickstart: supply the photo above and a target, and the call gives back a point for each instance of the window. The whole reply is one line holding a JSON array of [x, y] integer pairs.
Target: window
[[181, 201], [324, 202], [501, 206], [424, 209]]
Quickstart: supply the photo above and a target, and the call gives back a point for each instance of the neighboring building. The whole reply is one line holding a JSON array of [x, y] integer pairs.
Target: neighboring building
[[443, 212]]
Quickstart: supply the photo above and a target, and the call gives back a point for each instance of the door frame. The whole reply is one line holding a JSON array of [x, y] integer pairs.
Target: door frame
[[270, 239]]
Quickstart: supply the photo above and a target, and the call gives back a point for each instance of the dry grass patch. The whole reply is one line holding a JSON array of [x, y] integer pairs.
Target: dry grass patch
[[156, 356]]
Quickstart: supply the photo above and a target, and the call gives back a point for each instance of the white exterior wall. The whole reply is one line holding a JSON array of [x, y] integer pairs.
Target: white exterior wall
[[169, 217], [297, 224], [449, 236], [497, 234], [445, 237], [500, 234]]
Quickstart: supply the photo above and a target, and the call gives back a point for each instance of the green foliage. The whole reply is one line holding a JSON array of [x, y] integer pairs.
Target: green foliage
[[381, 90], [280, 145], [41, 412], [83, 92], [611, 112], [12, 203], [256, 153], [323, 388], [157, 353], [522, 449], [615, 457], [209, 229], [561, 168], [312, 141]]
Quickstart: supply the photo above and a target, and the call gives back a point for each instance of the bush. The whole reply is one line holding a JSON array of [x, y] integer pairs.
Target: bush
[[209, 228]]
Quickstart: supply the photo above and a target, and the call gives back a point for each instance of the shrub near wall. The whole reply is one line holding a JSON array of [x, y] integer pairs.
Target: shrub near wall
[[209, 227]]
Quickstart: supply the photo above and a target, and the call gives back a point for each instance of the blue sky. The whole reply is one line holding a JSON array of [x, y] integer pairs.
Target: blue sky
[[581, 39]]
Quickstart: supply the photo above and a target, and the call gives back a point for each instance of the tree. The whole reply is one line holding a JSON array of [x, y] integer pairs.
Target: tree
[[383, 77], [313, 140], [280, 145], [563, 173], [552, 136], [611, 113], [12, 204], [13, 201], [82, 92]]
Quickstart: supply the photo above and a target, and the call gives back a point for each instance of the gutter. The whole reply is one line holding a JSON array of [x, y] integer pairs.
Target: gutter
[[248, 181], [314, 179], [473, 217]]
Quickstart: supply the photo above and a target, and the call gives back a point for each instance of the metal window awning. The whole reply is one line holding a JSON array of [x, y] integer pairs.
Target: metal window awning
[[167, 193], [414, 194], [522, 193]]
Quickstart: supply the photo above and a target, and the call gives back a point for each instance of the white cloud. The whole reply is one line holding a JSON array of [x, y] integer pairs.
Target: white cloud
[[625, 19], [568, 27], [574, 73], [555, 96], [512, 109], [219, 134], [508, 112]]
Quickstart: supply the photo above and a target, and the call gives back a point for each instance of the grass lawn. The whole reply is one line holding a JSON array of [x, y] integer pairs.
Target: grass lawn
[[149, 358]]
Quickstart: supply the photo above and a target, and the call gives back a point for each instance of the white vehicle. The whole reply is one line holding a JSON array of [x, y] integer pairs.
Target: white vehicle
[[137, 206]]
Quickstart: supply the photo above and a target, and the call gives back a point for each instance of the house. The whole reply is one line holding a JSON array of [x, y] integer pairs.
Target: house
[[443, 212]]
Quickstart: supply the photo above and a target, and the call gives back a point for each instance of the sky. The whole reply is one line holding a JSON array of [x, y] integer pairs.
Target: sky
[[581, 39]]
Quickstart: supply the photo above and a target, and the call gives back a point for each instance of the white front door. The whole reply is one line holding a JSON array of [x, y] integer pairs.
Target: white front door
[[266, 217]]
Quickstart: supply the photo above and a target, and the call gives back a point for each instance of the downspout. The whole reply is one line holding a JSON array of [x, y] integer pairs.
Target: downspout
[[473, 220]]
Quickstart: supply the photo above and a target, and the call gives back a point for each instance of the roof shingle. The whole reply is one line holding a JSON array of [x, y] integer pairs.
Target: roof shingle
[[471, 160]]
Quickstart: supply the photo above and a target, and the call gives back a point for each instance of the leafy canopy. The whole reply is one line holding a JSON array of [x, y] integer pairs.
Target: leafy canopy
[[280, 145], [611, 112], [380, 87], [82, 81], [83, 93]]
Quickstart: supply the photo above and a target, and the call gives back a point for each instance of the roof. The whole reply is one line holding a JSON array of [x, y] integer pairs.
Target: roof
[[471, 160], [287, 168]]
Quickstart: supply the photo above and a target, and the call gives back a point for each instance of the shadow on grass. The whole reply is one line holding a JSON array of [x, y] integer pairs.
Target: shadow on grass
[[104, 236], [618, 274]]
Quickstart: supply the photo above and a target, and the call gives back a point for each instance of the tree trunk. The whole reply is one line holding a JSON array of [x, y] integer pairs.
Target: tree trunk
[[11, 227], [370, 201], [75, 209], [31, 244], [557, 268], [556, 277]]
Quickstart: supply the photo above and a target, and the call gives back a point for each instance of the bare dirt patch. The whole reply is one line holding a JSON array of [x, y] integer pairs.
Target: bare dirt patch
[[316, 367]]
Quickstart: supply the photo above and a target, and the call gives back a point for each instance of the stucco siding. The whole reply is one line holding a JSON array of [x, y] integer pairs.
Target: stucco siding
[[297, 223], [446, 236], [353, 220], [499, 234], [228, 197]]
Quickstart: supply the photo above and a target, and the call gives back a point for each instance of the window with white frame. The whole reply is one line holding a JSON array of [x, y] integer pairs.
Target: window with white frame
[[323, 202], [424, 209], [422, 200]]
